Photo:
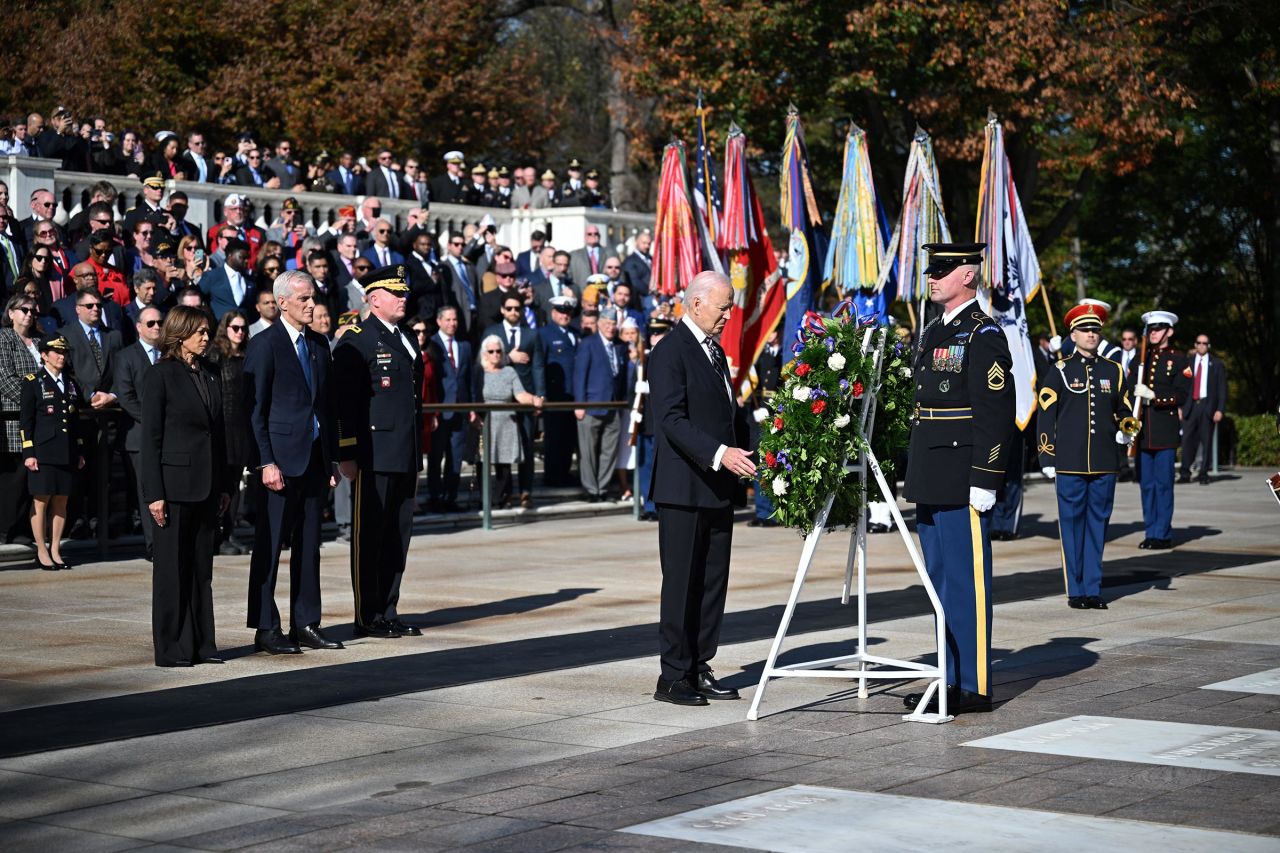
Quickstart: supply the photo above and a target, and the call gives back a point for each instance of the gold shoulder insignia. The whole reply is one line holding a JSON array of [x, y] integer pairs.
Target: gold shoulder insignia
[[31, 377], [1047, 397], [354, 329]]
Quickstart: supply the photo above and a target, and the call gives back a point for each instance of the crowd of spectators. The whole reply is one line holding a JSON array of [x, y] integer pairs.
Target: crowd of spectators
[[569, 324]]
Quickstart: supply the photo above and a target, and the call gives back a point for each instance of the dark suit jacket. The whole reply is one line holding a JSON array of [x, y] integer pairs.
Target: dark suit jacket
[[64, 311], [376, 184], [286, 172], [282, 407], [192, 171], [244, 177], [491, 307], [467, 323], [372, 254], [533, 375], [131, 368], [183, 452], [593, 379], [455, 382], [636, 273], [1217, 386], [693, 416], [526, 263], [217, 289], [428, 290], [80, 359], [354, 186], [445, 191]]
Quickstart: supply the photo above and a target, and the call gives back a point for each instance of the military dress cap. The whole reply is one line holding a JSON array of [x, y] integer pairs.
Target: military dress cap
[[593, 175], [944, 257], [597, 278], [291, 203], [155, 182], [454, 157], [479, 169], [493, 174], [165, 249], [659, 325], [233, 200], [1086, 317], [1153, 319], [563, 303], [1088, 300], [575, 165], [548, 175], [390, 278], [58, 344], [504, 172]]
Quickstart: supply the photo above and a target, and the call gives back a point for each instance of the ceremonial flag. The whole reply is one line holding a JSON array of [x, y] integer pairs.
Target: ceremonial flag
[[706, 195], [675, 235], [857, 249], [922, 221], [1011, 275], [807, 246], [758, 298]]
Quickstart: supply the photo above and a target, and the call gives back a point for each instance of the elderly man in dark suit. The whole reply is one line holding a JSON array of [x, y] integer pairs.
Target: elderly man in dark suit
[[132, 364], [638, 266], [698, 457], [1203, 410], [599, 375], [291, 415], [450, 355], [523, 346]]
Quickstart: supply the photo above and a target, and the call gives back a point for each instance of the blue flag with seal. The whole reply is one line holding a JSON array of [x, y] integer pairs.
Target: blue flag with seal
[[807, 243]]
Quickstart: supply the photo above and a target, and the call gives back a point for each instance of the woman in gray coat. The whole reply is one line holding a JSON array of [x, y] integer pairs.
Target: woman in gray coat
[[19, 357]]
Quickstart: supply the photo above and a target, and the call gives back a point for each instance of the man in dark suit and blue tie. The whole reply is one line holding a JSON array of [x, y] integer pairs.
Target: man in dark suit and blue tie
[[291, 416], [451, 357], [599, 375], [344, 178], [527, 261], [228, 287], [698, 458]]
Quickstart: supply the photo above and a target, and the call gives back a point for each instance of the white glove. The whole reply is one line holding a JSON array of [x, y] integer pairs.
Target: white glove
[[1049, 471], [760, 414], [1123, 437], [636, 417], [1055, 343], [1144, 392], [981, 499], [642, 386]]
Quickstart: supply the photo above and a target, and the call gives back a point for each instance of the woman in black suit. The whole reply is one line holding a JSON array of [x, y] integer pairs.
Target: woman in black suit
[[183, 483]]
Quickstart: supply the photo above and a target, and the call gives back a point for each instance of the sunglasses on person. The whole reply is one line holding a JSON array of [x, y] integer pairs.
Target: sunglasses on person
[[383, 231], [456, 243], [103, 222], [44, 204], [236, 327], [25, 309], [1202, 343], [419, 330], [45, 233], [512, 307], [151, 324], [255, 156], [493, 352], [44, 259], [91, 306], [361, 268]]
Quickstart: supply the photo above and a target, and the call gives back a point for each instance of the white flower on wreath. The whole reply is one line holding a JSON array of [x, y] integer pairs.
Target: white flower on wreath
[[842, 422], [906, 371], [779, 487], [801, 392], [835, 361]]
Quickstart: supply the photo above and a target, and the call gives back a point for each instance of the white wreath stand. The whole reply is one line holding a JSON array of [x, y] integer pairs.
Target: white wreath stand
[[868, 665]]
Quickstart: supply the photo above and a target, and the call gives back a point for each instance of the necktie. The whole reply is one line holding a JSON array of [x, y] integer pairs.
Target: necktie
[[595, 264], [453, 361], [237, 285], [382, 256], [304, 360], [391, 182], [95, 347], [9, 255], [717, 355], [511, 338], [466, 282], [1195, 394], [152, 352], [613, 357]]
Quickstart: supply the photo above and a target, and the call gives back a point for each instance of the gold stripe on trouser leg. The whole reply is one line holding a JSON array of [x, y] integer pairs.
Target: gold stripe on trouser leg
[[979, 600], [1062, 552], [355, 544]]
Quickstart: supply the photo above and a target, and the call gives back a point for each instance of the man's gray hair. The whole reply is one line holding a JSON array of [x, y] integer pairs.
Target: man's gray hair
[[705, 282], [312, 244], [285, 283]]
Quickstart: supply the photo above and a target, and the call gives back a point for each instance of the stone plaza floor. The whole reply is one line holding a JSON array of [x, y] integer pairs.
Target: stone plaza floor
[[523, 720]]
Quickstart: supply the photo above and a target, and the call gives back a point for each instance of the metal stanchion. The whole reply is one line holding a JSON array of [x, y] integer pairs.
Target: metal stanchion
[[637, 501], [1213, 452], [103, 485], [486, 509]]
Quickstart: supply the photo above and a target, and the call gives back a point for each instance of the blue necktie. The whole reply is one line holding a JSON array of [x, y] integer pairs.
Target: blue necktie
[[466, 283], [304, 359]]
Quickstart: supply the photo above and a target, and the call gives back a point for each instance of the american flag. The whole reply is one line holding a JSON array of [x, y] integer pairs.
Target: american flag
[[706, 191]]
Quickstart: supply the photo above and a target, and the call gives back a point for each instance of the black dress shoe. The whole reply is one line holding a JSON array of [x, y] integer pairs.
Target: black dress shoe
[[1204, 481], [876, 527], [275, 643], [174, 663], [706, 685], [958, 702], [1077, 602], [1184, 478], [1161, 544], [379, 628], [1095, 602], [404, 628], [678, 692], [1145, 544], [313, 638], [210, 659]]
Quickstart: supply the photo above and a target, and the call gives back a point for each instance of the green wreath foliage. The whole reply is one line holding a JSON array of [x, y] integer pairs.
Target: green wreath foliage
[[813, 425]]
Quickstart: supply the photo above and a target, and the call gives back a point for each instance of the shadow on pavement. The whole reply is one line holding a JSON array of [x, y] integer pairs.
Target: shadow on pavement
[[47, 727]]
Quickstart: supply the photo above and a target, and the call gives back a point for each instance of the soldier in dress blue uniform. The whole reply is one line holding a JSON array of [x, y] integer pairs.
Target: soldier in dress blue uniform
[[52, 446], [559, 429], [1083, 400], [378, 375], [1164, 387], [963, 434]]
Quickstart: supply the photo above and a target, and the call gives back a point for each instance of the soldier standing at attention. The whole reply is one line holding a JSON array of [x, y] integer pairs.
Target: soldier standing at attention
[[962, 437], [1083, 400], [1163, 387], [378, 371]]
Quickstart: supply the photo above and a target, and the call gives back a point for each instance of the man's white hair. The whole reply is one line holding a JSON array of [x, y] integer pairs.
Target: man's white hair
[[705, 282], [288, 281]]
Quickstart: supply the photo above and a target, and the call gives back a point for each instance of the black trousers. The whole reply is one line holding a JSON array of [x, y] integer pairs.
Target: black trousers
[[1197, 434], [291, 514], [15, 500], [560, 440], [382, 522], [182, 583], [693, 545], [527, 425], [144, 514], [444, 463]]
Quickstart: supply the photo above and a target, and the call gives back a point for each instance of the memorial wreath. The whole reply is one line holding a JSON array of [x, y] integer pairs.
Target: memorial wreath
[[813, 427]]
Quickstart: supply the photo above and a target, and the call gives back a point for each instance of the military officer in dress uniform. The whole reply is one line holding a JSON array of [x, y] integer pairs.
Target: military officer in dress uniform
[[1083, 400], [964, 431], [52, 446], [560, 343], [1164, 385], [378, 375], [571, 191]]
